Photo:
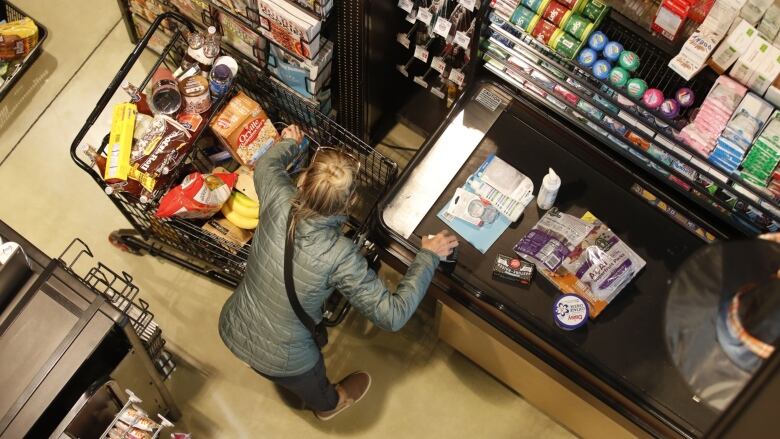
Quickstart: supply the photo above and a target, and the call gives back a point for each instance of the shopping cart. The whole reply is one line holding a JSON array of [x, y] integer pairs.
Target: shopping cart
[[183, 241]]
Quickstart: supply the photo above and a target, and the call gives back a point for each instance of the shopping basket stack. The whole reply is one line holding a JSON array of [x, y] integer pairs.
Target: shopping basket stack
[[120, 291], [183, 241]]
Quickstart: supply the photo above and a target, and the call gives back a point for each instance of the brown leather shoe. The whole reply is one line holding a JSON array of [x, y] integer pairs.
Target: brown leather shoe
[[351, 390]]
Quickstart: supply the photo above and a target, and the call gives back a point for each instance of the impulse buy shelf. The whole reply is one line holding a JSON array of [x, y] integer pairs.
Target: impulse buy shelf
[[439, 44], [624, 126]]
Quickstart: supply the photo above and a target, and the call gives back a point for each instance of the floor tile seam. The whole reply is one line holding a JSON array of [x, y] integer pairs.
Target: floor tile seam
[[59, 92]]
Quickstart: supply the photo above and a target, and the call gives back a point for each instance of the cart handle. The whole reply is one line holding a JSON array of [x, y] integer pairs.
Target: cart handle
[[114, 85]]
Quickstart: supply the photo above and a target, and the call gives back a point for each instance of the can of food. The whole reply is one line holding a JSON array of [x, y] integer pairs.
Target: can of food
[[544, 31], [578, 26], [566, 45], [535, 5], [593, 9], [195, 90], [556, 13], [166, 98], [524, 18]]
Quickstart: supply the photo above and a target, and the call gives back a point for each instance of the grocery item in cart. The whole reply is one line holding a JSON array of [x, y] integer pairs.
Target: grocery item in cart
[[234, 114], [166, 98], [252, 139], [198, 195], [161, 150], [120, 143], [580, 256], [17, 39]]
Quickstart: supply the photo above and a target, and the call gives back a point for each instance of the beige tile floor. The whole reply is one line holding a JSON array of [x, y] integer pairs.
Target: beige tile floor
[[422, 388]]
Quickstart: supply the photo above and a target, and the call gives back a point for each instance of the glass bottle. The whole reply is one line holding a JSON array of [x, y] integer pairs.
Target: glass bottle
[[196, 52]]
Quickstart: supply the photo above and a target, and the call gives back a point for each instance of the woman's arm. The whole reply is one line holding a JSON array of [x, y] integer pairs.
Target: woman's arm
[[366, 292], [271, 168]]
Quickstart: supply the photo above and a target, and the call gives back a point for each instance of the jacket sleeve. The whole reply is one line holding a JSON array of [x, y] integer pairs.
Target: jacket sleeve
[[366, 292], [271, 170]]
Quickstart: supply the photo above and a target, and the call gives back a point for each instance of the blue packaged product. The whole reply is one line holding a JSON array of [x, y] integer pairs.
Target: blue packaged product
[[594, 112], [606, 104], [587, 57], [597, 41], [615, 126], [612, 51], [601, 69]]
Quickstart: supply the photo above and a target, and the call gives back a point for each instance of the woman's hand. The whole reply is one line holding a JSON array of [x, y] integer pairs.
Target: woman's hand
[[441, 243], [294, 133]]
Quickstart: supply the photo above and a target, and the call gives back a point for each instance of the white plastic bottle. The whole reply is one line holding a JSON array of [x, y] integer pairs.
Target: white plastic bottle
[[549, 190]]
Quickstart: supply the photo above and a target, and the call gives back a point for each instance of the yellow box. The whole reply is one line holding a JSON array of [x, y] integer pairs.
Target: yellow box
[[120, 142]]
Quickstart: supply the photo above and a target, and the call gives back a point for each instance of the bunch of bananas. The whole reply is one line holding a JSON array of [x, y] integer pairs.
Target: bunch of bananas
[[242, 211]]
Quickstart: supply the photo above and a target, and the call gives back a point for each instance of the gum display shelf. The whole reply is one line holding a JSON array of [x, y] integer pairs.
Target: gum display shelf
[[654, 130]]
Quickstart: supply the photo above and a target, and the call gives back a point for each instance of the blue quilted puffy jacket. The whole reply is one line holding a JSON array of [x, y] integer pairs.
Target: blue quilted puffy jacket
[[257, 323]]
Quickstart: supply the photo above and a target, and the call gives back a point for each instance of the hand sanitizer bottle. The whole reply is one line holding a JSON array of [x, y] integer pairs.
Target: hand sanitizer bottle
[[549, 190]]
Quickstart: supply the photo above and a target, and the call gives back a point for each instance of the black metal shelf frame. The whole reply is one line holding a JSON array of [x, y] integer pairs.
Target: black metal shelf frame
[[529, 47]]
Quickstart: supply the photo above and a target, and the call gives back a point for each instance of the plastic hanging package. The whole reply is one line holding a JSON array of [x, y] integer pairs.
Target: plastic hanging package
[[198, 195], [580, 256]]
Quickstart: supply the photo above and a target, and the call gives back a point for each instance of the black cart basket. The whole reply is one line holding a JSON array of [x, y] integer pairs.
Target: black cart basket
[[183, 241]]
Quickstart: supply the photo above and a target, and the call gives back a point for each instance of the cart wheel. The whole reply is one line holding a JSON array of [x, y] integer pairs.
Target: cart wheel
[[117, 240]]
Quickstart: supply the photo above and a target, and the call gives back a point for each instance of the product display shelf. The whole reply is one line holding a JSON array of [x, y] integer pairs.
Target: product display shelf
[[120, 291], [435, 75], [556, 68], [12, 14], [597, 128]]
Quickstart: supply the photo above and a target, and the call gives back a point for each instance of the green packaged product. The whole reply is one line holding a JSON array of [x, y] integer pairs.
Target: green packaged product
[[524, 18], [579, 26], [593, 9], [629, 60], [618, 77], [636, 88], [566, 45]]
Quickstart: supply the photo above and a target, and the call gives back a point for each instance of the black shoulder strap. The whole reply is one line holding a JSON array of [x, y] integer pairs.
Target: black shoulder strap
[[289, 285]]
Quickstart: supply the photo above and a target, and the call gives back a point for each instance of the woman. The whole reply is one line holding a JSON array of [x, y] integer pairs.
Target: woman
[[258, 323]]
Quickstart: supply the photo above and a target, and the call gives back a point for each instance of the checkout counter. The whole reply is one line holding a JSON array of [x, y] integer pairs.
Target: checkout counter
[[68, 350], [613, 377]]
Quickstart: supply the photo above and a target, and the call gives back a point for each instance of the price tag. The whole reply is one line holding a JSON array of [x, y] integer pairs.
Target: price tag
[[420, 81], [462, 40], [412, 16], [402, 69], [442, 27], [406, 5], [468, 4], [424, 16], [438, 64], [436, 92], [421, 53], [403, 39], [457, 77]]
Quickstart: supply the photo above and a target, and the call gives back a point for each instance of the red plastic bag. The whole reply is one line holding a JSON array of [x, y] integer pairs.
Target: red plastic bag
[[198, 195]]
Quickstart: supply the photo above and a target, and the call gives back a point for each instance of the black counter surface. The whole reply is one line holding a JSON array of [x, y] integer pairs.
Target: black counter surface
[[624, 346]]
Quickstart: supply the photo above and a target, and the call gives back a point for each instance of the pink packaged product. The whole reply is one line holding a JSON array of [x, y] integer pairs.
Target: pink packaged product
[[715, 112]]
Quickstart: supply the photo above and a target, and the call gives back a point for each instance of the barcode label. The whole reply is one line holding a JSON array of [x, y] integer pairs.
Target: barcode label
[[442, 27], [406, 5], [421, 53], [424, 16], [438, 64], [462, 40], [404, 40], [468, 4], [457, 77], [548, 257]]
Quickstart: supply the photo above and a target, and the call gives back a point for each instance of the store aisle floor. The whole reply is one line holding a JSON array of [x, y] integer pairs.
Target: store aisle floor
[[422, 388]]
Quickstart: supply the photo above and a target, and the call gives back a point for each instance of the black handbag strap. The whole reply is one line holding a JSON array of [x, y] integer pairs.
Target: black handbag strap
[[289, 285]]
